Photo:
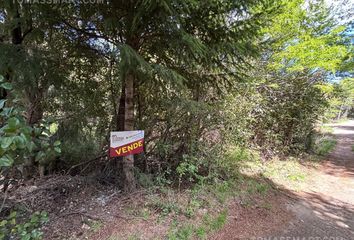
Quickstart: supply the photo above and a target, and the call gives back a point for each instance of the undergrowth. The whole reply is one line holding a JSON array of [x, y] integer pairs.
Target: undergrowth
[[18, 226], [324, 145], [200, 209], [195, 211], [208, 224]]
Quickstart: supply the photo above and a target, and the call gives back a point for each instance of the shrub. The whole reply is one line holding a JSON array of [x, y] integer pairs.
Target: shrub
[[16, 227]]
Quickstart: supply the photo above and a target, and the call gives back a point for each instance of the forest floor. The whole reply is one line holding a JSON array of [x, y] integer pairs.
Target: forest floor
[[295, 198]]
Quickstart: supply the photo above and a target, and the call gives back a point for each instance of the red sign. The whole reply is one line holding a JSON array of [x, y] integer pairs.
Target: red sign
[[126, 143]]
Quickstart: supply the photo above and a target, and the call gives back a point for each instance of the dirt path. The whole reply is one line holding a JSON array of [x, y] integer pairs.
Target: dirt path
[[326, 209]]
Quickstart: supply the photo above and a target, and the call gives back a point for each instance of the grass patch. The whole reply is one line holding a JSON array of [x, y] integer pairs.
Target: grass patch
[[325, 129], [199, 211], [183, 232], [266, 205], [217, 223], [95, 225], [290, 173], [210, 223], [222, 190], [167, 202], [256, 186], [196, 212], [324, 145]]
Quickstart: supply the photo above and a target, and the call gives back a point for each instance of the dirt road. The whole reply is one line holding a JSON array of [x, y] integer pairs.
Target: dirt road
[[326, 209]]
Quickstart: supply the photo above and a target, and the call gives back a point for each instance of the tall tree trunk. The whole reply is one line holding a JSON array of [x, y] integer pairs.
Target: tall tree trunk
[[34, 114], [16, 40], [121, 111], [34, 108], [119, 126], [128, 161], [16, 32]]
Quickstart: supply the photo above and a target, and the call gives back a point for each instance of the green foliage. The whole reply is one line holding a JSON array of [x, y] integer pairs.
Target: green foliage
[[166, 204], [324, 145], [78, 146], [183, 233], [218, 222], [312, 53], [218, 85], [13, 228], [193, 206], [189, 169], [340, 100], [256, 186], [289, 107], [146, 180], [326, 129], [222, 191], [201, 233], [94, 225], [208, 76], [307, 38], [15, 134], [229, 165], [19, 140], [163, 178], [45, 149], [210, 223], [293, 94]]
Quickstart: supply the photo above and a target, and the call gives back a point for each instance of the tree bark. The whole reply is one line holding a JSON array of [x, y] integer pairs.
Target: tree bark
[[128, 161], [121, 111], [16, 33], [119, 126], [34, 110], [34, 114], [16, 39]]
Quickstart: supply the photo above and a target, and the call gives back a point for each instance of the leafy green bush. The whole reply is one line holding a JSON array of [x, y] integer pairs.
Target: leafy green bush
[[286, 112], [13, 228], [233, 160], [189, 169], [15, 135], [19, 141]]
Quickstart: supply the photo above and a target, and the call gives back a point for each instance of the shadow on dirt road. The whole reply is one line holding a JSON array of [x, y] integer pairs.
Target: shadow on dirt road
[[326, 209]]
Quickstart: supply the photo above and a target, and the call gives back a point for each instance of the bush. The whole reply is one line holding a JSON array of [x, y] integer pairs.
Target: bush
[[324, 145], [21, 143], [16, 227]]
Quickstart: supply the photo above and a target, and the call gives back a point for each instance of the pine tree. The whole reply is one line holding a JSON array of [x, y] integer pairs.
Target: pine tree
[[170, 41]]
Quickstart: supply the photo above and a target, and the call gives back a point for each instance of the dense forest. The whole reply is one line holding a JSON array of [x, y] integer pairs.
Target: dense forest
[[201, 78]]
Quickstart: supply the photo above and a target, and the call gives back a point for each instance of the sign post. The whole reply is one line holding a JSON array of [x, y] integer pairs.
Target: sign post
[[126, 143]]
